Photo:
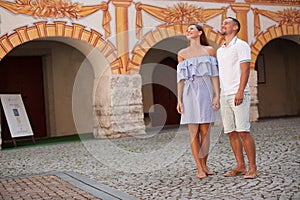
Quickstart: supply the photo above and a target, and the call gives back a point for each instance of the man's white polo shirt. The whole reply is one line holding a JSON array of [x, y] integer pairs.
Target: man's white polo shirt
[[229, 59]]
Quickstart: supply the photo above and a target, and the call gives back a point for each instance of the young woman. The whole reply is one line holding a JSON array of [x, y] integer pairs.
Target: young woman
[[198, 93]]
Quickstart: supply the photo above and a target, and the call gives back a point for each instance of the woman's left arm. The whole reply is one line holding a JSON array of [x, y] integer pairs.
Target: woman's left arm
[[215, 82], [216, 87]]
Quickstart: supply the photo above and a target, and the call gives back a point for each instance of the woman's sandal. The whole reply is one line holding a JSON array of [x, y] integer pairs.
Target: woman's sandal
[[251, 175], [235, 172], [209, 172], [202, 175]]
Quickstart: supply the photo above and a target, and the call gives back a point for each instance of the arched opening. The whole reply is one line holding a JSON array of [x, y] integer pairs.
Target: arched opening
[[163, 87], [159, 77], [163, 32], [65, 73], [278, 77], [159, 87]]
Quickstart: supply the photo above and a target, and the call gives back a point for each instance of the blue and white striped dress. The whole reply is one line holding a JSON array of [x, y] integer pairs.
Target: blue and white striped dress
[[198, 91]]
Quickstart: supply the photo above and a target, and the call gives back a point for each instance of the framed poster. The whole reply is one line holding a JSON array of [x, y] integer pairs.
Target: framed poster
[[16, 116]]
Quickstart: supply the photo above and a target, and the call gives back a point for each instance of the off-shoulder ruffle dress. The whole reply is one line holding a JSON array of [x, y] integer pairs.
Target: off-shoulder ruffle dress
[[198, 90]]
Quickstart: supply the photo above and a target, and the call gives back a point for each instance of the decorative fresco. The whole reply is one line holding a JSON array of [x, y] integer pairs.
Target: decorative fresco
[[182, 12], [218, 1], [57, 9], [173, 19], [288, 16], [275, 2]]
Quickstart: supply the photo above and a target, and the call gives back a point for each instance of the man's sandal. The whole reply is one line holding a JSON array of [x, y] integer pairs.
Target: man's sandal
[[235, 172]]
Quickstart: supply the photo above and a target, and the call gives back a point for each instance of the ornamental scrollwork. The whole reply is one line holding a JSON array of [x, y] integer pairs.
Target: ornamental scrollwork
[[184, 13], [50, 8], [289, 16], [57, 9]]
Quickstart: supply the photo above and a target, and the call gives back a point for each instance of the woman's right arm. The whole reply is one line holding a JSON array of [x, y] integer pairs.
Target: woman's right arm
[[179, 96], [180, 85]]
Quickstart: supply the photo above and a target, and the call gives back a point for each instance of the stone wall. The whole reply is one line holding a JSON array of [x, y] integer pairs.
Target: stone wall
[[254, 99], [119, 106]]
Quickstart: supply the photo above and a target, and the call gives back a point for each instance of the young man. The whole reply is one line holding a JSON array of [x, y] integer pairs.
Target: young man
[[234, 59]]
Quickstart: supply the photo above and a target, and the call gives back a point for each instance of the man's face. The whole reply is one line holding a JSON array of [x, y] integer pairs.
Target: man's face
[[228, 27]]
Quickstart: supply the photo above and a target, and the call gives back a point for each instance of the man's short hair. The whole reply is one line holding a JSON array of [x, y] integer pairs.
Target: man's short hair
[[236, 23]]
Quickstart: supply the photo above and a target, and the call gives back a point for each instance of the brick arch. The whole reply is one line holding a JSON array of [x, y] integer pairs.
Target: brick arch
[[272, 32], [59, 29], [162, 32]]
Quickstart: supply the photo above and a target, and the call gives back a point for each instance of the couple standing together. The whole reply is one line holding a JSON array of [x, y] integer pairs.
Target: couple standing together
[[200, 75]]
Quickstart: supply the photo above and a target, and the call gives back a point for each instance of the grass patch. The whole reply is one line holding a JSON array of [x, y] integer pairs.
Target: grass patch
[[27, 141]]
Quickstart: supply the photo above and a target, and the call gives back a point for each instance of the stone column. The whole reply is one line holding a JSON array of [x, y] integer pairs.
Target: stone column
[[254, 96], [119, 106], [122, 31], [241, 11]]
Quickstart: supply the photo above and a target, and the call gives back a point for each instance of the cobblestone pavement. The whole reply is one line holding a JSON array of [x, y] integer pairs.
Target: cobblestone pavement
[[161, 166]]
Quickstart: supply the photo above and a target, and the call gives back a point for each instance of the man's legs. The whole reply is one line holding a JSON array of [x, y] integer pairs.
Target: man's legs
[[235, 118], [243, 128], [249, 146], [237, 148]]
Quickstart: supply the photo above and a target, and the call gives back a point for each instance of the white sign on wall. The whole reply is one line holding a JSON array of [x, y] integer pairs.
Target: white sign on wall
[[16, 115]]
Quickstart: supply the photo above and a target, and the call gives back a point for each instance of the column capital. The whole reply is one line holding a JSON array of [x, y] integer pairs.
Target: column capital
[[240, 7], [241, 10], [122, 3]]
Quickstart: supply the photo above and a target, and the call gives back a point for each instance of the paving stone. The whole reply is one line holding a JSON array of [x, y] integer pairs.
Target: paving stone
[[14, 192], [160, 166]]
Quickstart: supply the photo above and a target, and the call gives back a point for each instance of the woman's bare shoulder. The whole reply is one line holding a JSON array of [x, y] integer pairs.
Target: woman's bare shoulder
[[211, 51], [182, 51], [182, 54]]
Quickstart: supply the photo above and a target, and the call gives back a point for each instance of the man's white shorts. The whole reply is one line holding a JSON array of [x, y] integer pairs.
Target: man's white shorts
[[235, 118]]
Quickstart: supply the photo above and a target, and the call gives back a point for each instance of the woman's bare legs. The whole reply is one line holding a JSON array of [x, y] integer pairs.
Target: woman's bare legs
[[204, 147], [195, 147]]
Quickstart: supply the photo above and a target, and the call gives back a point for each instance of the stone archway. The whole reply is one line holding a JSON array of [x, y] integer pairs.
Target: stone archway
[[160, 33], [272, 33], [56, 76], [60, 29], [277, 67], [261, 40]]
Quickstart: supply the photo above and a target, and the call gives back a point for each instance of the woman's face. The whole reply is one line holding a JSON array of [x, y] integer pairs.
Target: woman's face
[[193, 32]]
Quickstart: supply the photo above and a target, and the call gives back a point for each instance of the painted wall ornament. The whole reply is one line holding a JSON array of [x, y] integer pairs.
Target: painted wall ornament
[[185, 13], [275, 2], [288, 16], [58, 9], [182, 13]]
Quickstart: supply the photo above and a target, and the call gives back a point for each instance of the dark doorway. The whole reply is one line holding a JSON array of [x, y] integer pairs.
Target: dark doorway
[[165, 93], [24, 75], [278, 79]]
